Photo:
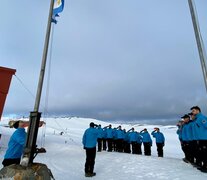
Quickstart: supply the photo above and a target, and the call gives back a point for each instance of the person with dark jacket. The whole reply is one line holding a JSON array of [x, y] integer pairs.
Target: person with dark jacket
[[89, 143], [160, 141], [147, 141], [16, 145]]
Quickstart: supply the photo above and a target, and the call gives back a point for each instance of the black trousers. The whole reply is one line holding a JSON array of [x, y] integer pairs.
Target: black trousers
[[109, 141], [147, 149], [90, 159], [203, 152], [104, 144], [139, 149], [99, 144], [187, 150], [134, 147], [114, 145], [119, 145], [160, 149], [127, 147], [195, 152], [7, 162]]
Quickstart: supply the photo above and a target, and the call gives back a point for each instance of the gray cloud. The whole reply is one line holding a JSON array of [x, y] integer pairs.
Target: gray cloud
[[116, 59]]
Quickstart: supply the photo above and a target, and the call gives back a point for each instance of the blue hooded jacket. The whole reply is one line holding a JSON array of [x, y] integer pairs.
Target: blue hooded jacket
[[16, 144], [158, 136], [90, 137]]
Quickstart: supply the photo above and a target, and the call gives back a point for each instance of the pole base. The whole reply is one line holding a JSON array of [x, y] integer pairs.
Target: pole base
[[35, 171]]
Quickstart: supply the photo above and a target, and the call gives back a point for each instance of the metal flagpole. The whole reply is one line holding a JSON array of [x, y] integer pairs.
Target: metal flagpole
[[30, 145], [200, 44]]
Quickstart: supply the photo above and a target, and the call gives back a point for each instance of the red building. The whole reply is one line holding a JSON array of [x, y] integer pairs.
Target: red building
[[5, 80]]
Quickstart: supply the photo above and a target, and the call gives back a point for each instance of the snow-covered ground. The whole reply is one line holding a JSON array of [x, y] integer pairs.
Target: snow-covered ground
[[66, 157]]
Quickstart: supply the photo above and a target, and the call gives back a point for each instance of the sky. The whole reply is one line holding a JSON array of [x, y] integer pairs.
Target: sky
[[111, 60]]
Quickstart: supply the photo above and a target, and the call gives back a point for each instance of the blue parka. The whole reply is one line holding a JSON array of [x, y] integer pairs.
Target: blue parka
[[100, 132], [109, 133], [200, 126], [16, 144], [133, 136], [158, 136], [120, 134], [90, 137], [179, 132], [126, 137], [187, 134], [139, 138], [104, 133], [146, 137]]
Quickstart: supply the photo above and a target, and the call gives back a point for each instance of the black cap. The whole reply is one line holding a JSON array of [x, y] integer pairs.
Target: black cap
[[16, 124], [186, 116], [92, 124], [196, 107]]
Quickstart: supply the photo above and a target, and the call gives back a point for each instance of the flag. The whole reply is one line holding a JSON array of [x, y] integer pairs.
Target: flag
[[57, 8]]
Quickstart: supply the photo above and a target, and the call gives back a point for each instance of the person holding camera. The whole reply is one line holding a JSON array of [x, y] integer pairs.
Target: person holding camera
[[89, 143]]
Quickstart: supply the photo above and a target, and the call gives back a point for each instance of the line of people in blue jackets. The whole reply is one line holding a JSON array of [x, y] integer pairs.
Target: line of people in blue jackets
[[192, 132], [120, 140]]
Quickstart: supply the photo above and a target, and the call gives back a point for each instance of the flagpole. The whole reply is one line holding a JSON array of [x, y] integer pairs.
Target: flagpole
[[30, 146], [199, 40]]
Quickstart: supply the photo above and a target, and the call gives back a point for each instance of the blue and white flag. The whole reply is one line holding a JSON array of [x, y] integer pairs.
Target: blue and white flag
[[58, 8]]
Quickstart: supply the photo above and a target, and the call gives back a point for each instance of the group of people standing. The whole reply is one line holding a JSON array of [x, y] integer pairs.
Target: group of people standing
[[192, 132], [118, 140]]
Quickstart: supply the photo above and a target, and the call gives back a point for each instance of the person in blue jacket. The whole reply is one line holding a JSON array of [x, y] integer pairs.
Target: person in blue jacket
[[104, 139], [100, 138], [16, 145], [120, 139], [109, 136], [147, 141], [160, 141], [89, 143], [114, 140], [194, 146], [139, 143], [200, 129], [133, 140], [126, 142]]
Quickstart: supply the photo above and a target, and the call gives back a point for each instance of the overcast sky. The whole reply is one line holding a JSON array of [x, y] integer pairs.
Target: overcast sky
[[111, 59]]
